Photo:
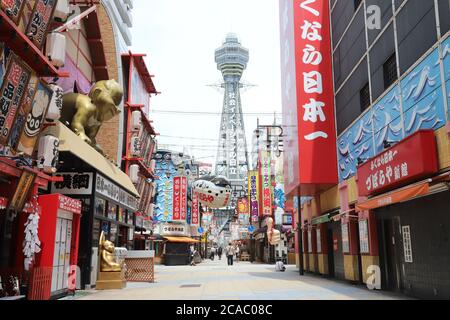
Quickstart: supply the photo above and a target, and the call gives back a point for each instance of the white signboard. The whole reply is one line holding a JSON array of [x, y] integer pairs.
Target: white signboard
[[74, 183], [111, 191]]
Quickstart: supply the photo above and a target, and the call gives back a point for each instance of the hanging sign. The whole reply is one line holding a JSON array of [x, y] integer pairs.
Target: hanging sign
[[253, 191], [74, 183], [40, 21], [183, 204], [266, 196], [410, 160], [195, 209], [176, 198], [35, 119], [13, 9], [12, 92], [306, 46], [23, 189]]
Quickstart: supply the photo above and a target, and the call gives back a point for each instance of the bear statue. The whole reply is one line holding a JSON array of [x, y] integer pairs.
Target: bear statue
[[84, 115]]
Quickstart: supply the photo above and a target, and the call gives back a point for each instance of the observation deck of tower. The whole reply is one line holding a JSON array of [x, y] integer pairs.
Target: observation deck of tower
[[232, 157]]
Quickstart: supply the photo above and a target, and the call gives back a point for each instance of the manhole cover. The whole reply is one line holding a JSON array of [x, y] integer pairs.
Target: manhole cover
[[190, 286]]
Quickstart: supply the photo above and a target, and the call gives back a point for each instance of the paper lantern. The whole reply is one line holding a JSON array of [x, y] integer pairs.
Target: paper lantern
[[135, 147], [134, 173], [48, 154], [136, 120], [56, 103], [62, 10], [56, 48]]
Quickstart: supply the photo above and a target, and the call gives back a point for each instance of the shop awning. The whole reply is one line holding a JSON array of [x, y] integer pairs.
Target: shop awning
[[70, 142], [324, 219], [181, 239], [395, 197]]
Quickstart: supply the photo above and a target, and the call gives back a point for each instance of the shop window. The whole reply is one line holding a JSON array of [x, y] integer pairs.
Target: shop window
[[364, 236], [390, 71], [96, 232], [112, 211], [100, 207], [345, 239], [121, 215], [113, 233], [407, 247], [130, 218], [319, 241], [364, 97]]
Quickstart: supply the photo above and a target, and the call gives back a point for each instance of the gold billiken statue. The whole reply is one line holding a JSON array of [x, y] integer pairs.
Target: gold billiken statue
[[86, 114], [110, 275]]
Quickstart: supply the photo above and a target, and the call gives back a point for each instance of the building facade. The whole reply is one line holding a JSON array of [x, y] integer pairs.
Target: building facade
[[391, 71]]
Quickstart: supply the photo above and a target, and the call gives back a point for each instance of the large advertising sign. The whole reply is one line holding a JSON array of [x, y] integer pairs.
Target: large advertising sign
[[195, 209], [40, 21], [183, 199], [408, 161], [266, 184], [176, 198], [13, 90], [253, 192], [306, 44]]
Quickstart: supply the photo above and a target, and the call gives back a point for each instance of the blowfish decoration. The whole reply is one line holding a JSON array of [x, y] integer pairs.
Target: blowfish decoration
[[213, 191]]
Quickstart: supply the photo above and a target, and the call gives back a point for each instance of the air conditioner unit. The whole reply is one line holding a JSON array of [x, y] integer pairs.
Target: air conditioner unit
[[48, 154], [135, 147], [134, 173], [62, 10], [55, 106], [136, 120], [56, 48]]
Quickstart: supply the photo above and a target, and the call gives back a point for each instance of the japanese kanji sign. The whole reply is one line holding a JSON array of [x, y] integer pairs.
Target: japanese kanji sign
[[176, 198], [195, 209], [410, 160], [266, 184], [40, 21], [308, 100], [13, 8], [183, 203], [253, 192], [74, 183]]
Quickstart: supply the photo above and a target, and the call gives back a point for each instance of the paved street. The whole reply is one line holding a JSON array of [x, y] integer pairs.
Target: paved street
[[214, 280]]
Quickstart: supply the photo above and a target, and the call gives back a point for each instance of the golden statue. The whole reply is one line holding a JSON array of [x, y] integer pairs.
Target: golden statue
[[107, 258], [86, 114]]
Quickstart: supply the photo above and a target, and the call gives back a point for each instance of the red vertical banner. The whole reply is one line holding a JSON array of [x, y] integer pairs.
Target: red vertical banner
[[313, 81], [176, 198], [195, 209], [183, 200]]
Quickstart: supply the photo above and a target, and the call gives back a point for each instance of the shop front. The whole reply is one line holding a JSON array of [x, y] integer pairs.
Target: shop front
[[404, 221], [109, 199]]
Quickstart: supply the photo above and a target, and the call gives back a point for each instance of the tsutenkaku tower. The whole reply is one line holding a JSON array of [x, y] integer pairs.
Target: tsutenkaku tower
[[232, 157]]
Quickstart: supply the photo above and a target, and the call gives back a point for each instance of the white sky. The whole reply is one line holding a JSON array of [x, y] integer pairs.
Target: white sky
[[179, 38]]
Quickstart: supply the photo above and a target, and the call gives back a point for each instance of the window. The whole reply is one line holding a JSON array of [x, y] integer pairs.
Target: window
[[364, 236], [407, 247], [364, 97], [390, 71], [357, 3]]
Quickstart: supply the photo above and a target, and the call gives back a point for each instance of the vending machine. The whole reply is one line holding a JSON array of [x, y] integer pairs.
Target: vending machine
[[59, 228]]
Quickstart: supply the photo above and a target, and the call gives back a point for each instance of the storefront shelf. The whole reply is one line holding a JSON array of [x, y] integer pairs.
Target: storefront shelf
[[23, 47]]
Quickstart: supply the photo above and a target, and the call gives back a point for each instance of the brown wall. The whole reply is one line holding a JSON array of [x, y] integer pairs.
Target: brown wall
[[107, 138]]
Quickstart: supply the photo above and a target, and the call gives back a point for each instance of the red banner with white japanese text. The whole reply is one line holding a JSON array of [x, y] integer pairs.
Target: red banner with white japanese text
[[176, 198], [266, 184], [195, 209], [308, 47], [183, 200]]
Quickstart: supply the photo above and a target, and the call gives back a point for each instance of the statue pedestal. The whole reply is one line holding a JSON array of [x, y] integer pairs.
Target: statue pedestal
[[110, 281]]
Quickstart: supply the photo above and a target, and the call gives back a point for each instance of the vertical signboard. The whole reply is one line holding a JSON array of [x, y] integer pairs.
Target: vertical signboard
[[266, 192], [253, 191], [183, 199], [40, 21], [310, 44], [176, 198], [13, 8], [195, 209], [13, 90]]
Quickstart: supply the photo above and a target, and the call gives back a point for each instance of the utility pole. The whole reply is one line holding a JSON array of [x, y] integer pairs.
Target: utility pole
[[300, 240]]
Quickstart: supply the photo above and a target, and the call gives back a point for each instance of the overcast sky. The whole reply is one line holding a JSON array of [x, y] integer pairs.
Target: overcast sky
[[179, 38]]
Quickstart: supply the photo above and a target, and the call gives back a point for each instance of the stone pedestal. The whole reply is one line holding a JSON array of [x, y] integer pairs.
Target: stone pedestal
[[110, 281]]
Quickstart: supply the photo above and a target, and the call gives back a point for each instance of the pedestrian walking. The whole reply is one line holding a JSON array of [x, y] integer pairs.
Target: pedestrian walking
[[229, 251], [238, 251], [219, 253], [213, 253]]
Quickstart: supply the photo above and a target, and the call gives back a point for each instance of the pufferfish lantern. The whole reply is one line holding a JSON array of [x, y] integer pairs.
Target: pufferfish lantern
[[213, 191]]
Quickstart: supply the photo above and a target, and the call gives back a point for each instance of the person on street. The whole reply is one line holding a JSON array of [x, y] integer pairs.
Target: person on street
[[219, 253], [229, 251], [237, 252], [213, 253]]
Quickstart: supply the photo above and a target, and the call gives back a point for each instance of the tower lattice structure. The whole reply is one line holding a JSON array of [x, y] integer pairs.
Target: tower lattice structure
[[232, 157]]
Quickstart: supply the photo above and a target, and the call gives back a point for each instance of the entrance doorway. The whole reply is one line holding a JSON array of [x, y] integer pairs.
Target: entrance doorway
[[391, 253]]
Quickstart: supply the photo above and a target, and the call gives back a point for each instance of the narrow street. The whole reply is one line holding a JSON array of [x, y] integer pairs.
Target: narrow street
[[214, 280]]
